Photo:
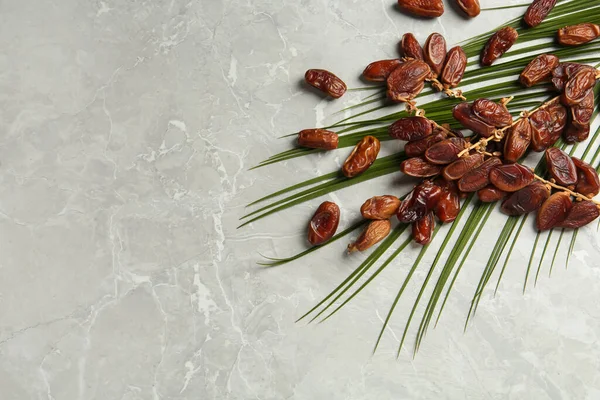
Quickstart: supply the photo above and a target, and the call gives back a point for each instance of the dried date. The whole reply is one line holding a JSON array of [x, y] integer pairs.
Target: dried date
[[411, 128], [422, 230], [578, 86], [491, 194], [498, 44], [454, 68], [479, 177], [564, 71], [419, 202], [491, 113], [539, 70], [526, 200], [537, 11], [576, 134], [419, 147], [318, 139], [361, 158], [326, 82], [446, 151], [419, 167], [517, 140], [410, 47], [554, 211], [546, 126], [581, 214], [380, 207], [460, 167], [588, 182], [463, 113], [470, 7], [324, 223], [422, 8], [375, 232], [576, 35], [581, 114], [379, 71], [511, 177], [448, 206], [407, 81], [434, 53], [561, 167]]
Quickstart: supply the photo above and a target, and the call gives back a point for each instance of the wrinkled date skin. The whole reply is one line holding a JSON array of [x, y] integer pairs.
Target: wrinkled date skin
[[537, 11], [326, 82], [379, 71], [479, 177], [578, 34], [410, 47], [576, 134], [454, 68], [578, 86], [419, 147], [581, 114], [470, 7], [526, 200], [324, 223], [422, 230], [581, 214], [491, 194], [407, 81], [411, 128], [419, 202], [434, 53], [561, 167], [419, 167], [375, 232], [564, 71], [492, 113], [499, 43], [423, 8], [517, 140], [588, 182], [539, 70], [542, 130], [446, 151], [380, 207], [448, 206], [463, 113], [318, 139], [460, 167], [554, 211], [511, 177], [361, 158]]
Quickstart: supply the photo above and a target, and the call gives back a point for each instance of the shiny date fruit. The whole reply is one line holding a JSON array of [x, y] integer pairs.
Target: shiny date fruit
[[554, 211], [479, 177], [491, 194], [564, 71], [526, 200], [374, 233], [407, 81], [581, 114], [511, 177], [539, 70], [446, 151], [492, 113], [434, 53], [419, 202], [361, 158], [419, 167], [498, 44], [422, 8], [410, 47], [422, 230], [324, 223], [561, 167], [581, 214], [578, 86], [541, 130], [537, 11], [559, 118], [578, 34], [379, 71], [318, 139], [470, 7], [448, 205], [460, 167], [411, 128], [380, 207], [326, 82], [517, 140], [454, 68], [576, 134], [588, 182], [463, 113], [419, 147]]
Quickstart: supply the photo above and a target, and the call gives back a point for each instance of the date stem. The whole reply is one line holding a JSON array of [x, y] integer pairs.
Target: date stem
[[437, 85], [578, 196]]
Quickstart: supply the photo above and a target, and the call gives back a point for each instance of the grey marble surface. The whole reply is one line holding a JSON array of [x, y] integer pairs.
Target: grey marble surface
[[127, 129]]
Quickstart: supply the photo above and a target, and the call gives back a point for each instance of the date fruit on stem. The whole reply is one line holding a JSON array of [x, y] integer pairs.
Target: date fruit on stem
[[434, 53], [454, 68], [446, 151], [511, 177], [422, 230], [324, 223], [492, 113], [361, 158], [491, 194], [419, 147], [578, 34], [411, 128], [564, 72], [554, 211], [526, 200], [422, 8], [379, 71], [419, 167], [448, 206], [375, 232], [588, 182], [517, 140], [419, 202], [581, 214], [326, 82], [581, 114], [410, 47], [460, 167], [537, 11], [318, 139], [464, 114], [380, 207], [577, 87], [498, 44], [576, 134], [407, 81], [539, 70], [561, 167], [479, 177]]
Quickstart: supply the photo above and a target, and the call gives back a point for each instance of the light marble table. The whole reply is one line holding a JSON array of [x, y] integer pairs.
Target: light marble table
[[127, 129]]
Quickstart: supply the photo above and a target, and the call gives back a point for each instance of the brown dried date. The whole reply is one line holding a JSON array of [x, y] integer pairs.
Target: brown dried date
[[422, 230], [479, 177], [588, 182], [326, 82], [380, 207], [419, 202], [460, 167], [419, 147], [537, 11], [561, 167], [407, 81], [492, 113], [554, 211], [375, 232], [517, 140], [454, 68], [446, 151], [581, 114], [448, 206], [434, 53], [318, 139], [361, 158], [564, 71], [578, 86], [559, 117], [379, 71], [423, 8], [545, 127], [498, 44], [581, 214], [470, 7], [410, 47], [511, 177], [411, 128], [578, 34], [539, 70], [463, 113], [419, 167], [324, 223], [526, 200], [576, 134], [490, 194]]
